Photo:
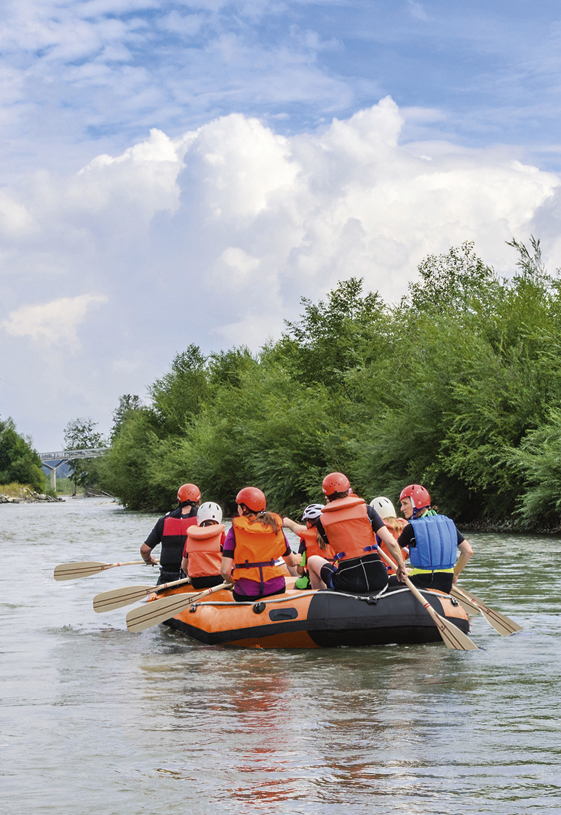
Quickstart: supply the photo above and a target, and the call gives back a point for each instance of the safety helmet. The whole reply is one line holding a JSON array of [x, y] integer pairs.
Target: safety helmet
[[209, 512], [419, 496], [312, 512], [383, 507], [335, 482], [253, 499], [188, 492]]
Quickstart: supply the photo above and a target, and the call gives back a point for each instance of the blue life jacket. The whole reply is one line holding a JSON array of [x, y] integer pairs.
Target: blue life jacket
[[436, 537]]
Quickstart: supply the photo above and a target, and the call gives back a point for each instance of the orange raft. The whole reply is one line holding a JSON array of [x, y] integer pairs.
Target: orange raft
[[316, 619]]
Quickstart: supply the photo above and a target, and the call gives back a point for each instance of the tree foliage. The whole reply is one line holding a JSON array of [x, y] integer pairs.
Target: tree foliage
[[19, 462], [81, 434], [457, 387]]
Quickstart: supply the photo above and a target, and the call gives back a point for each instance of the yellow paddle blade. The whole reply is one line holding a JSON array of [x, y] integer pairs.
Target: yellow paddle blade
[[500, 622], [453, 637], [73, 571], [158, 611], [117, 598]]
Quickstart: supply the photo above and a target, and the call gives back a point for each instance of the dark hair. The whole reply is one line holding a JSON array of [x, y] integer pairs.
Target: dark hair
[[336, 495], [266, 518]]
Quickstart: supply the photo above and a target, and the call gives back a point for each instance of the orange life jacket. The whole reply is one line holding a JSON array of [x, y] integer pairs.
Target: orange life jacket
[[203, 550], [396, 533], [312, 546], [348, 528], [257, 548]]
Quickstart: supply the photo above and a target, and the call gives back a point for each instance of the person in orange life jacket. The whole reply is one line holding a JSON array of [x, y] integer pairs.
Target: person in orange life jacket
[[202, 555], [252, 545], [171, 532], [433, 542], [310, 544], [350, 528], [387, 513]]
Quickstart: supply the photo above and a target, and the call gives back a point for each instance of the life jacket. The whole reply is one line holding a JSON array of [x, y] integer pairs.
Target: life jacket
[[174, 534], [436, 539], [203, 550], [396, 533], [348, 528], [312, 546], [257, 548]]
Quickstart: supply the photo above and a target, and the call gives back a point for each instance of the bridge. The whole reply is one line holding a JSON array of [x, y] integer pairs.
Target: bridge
[[66, 455]]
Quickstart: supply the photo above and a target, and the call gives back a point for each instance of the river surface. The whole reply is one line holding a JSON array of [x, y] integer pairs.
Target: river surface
[[97, 721]]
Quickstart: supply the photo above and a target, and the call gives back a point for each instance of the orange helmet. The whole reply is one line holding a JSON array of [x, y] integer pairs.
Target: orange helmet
[[252, 498], [335, 482], [188, 492], [419, 496]]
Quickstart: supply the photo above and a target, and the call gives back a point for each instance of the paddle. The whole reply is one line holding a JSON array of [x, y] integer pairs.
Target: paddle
[[73, 571], [450, 633], [504, 625], [159, 611], [117, 598]]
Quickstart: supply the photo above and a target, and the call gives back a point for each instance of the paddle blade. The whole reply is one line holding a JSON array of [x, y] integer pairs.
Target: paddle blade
[[500, 622], [73, 571], [158, 611], [451, 634], [117, 598]]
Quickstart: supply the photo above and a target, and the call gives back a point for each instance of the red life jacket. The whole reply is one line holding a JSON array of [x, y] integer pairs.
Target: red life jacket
[[348, 528], [257, 548], [174, 534], [396, 533], [203, 550], [312, 546]]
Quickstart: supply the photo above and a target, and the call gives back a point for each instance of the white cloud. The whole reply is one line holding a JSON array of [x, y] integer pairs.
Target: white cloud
[[53, 323], [213, 236]]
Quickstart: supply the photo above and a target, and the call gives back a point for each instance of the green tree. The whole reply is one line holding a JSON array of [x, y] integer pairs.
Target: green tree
[[19, 462], [81, 434]]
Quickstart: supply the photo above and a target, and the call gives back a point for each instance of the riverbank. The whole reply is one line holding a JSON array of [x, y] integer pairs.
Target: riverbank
[[25, 495]]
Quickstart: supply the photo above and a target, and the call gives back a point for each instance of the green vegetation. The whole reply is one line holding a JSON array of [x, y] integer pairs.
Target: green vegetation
[[82, 435], [457, 387], [19, 462]]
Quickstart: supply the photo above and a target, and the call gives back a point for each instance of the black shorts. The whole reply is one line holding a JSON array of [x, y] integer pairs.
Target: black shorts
[[355, 576], [207, 582], [442, 581], [168, 577]]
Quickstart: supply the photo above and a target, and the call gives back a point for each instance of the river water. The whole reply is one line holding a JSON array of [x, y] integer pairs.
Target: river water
[[97, 721]]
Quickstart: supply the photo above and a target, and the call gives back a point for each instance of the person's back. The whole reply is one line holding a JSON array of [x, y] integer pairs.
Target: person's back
[[202, 556], [171, 532]]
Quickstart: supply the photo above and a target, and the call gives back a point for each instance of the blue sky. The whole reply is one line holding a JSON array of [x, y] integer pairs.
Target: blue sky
[[236, 154]]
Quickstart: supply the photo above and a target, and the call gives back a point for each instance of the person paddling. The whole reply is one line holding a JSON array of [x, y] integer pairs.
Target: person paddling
[[252, 545], [171, 532], [387, 513], [310, 544], [433, 542], [350, 528], [202, 555]]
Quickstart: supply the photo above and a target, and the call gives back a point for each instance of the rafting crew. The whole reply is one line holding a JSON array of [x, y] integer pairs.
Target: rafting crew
[[433, 542], [253, 544], [311, 543], [350, 527], [171, 532], [202, 554]]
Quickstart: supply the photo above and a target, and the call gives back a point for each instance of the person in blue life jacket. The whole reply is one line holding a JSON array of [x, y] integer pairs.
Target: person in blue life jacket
[[433, 542]]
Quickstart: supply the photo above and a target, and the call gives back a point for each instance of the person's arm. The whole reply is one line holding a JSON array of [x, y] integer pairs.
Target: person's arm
[[146, 555], [465, 553], [293, 526], [385, 535], [226, 568]]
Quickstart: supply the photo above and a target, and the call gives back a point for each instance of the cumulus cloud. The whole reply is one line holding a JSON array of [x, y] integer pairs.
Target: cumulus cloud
[[54, 323], [213, 236]]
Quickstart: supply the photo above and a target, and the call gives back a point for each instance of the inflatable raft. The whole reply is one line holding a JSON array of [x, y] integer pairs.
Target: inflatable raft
[[317, 619]]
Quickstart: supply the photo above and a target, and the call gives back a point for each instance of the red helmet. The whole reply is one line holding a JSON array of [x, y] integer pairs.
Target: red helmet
[[188, 492], [252, 498], [335, 482], [419, 496]]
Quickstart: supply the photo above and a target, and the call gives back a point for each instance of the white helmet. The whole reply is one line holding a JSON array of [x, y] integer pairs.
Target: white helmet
[[209, 512], [383, 507], [312, 512]]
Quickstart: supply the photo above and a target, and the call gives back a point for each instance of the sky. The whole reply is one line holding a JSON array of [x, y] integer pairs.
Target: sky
[[176, 172]]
